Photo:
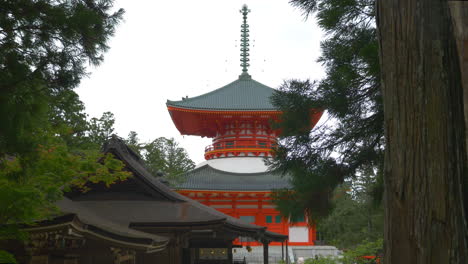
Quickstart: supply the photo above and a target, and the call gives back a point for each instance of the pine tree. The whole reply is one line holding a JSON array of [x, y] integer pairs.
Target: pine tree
[[352, 140]]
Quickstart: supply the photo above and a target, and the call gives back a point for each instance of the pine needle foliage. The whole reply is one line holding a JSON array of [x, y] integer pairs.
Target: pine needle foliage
[[351, 139]]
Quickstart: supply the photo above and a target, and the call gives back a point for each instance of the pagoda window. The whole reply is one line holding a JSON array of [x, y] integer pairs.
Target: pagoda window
[[230, 144], [268, 219], [299, 219], [262, 144], [247, 218], [278, 219]]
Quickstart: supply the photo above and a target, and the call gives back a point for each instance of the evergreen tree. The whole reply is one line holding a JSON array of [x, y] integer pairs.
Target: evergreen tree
[[355, 217], [44, 48], [134, 142], [101, 129], [164, 155], [352, 139]]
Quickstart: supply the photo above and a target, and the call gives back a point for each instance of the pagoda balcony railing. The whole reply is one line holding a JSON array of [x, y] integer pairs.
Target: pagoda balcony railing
[[241, 145], [248, 137]]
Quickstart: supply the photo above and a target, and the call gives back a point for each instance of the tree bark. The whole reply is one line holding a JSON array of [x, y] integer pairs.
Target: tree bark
[[459, 12], [425, 160]]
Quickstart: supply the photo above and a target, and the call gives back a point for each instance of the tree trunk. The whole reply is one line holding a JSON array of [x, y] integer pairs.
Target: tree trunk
[[459, 11], [425, 159]]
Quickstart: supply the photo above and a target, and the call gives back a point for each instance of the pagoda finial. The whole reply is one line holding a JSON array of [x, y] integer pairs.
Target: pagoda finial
[[244, 42]]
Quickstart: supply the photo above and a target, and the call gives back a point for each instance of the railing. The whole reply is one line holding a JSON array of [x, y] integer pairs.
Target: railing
[[241, 144], [256, 147], [246, 136]]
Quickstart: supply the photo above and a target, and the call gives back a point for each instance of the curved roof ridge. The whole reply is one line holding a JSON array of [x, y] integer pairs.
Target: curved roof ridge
[[241, 173], [205, 94]]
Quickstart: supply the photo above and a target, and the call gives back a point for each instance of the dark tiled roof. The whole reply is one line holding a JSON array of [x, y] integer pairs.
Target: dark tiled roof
[[176, 211], [105, 221], [135, 164], [92, 226], [242, 94], [121, 219], [209, 178]]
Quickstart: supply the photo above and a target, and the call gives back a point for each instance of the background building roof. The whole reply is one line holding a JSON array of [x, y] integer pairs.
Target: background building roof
[[209, 178]]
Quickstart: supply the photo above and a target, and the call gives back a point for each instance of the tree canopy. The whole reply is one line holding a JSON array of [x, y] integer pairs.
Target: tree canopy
[[44, 135], [44, 48], [352, 139], [163, 157], [355, 217]]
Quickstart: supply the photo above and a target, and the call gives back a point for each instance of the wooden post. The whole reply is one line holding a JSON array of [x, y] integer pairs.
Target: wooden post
[[229, 252], [265, 252], [287, 253], [282, 250]]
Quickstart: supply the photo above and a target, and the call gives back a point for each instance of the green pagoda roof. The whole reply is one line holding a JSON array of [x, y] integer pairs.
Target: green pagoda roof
[[209, 178], [242, 94]]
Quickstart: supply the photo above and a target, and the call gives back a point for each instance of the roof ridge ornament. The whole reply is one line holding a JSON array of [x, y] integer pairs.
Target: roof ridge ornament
[[244, 44]]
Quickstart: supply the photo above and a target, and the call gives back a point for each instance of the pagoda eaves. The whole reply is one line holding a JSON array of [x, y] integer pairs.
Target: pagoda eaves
[[244, 94]]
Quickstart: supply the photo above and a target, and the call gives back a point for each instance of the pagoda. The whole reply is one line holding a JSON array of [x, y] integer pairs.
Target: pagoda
[[234, 178]]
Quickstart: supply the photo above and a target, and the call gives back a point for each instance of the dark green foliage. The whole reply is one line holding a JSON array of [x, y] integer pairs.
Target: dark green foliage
[[354, 256], [6, 257], [352, 138], [164, 155], [101, 129], [354, 218], [45, 46], [134, 142]]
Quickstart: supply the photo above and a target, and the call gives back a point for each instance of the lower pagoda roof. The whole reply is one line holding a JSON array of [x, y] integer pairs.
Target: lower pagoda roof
[[209, 178]]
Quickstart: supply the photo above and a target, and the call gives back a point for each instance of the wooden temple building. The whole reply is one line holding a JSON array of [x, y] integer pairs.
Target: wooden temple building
[[138, 220], [234, 179]]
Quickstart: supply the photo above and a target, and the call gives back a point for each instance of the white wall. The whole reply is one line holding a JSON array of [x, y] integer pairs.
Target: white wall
[[237, 164], [298, 234]]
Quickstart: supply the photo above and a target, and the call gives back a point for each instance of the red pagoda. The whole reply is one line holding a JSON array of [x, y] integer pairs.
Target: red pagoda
[[234, 178]]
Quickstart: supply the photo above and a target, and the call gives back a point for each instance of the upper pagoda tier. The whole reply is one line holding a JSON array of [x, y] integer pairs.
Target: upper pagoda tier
[[238, 116], [242, 100]]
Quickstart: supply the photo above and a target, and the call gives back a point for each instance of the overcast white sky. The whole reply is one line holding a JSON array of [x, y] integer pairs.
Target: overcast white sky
[[170, 49]]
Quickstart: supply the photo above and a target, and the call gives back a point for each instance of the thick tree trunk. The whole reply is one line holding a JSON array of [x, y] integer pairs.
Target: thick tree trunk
[[459, 11], [425, 163]]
